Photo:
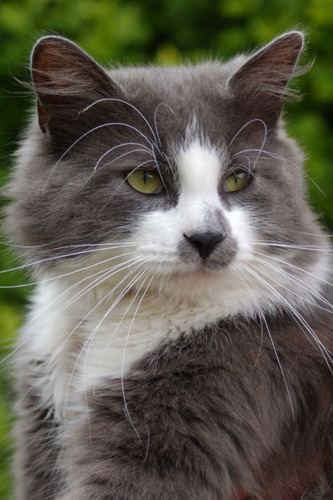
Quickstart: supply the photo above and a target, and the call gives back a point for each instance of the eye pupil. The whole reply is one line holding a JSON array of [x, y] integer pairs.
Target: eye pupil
[[145, 182], [237, 181]]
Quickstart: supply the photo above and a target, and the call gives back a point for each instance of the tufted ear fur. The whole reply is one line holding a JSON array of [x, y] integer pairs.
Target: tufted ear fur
[[260, 85], [65, 79]]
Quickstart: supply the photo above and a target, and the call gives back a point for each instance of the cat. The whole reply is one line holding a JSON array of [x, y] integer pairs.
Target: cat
[[179, 338]]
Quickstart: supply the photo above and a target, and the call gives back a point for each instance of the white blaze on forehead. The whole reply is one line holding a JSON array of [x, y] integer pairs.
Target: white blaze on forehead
[[199, 169]]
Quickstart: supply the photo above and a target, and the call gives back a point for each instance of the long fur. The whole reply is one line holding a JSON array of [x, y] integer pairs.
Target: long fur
[[179, 343]]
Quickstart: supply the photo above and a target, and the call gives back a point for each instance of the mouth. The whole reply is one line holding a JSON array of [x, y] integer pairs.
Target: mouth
[[198, 272]]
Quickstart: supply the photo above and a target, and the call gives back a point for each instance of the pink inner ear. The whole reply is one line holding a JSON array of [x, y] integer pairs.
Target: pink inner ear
[[43, 116], [65, 80]]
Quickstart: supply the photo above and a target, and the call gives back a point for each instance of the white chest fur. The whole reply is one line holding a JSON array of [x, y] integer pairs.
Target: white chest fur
[[87, 340], [83, 341], [141, 293]]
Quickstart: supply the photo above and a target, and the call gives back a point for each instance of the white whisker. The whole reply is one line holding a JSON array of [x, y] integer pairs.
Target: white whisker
[[85, 348], [114, 99], [155, 118], [294, 246], [103, 276], [119, 157], [297, 268], [122, 378], [314, 294], [274, 156], [86, 134], [279, 363], [105, 246], [250, 122], [297, 316]]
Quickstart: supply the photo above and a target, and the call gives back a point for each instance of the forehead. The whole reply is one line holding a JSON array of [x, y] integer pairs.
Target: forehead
[[168, 80], [175, 99], [195, 160]]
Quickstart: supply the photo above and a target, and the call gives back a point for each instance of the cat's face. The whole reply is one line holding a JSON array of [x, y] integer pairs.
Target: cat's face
[[169, 174]]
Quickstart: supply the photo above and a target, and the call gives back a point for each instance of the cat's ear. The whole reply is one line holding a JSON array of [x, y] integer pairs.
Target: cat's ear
[[260, 85], [65, 78]]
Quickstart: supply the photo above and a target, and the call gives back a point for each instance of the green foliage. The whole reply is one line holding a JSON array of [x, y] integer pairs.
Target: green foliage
[[166, 32]]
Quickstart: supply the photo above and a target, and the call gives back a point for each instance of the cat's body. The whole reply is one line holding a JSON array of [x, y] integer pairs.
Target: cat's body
[[179, 340]]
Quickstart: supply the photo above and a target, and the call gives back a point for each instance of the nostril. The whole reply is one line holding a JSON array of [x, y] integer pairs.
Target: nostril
[[204, 243]]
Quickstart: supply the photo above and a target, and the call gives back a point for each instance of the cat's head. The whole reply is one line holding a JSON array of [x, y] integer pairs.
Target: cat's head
[[172, 174]]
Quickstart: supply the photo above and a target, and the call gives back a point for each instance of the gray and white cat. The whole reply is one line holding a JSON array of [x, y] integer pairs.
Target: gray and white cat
[[179, 342]]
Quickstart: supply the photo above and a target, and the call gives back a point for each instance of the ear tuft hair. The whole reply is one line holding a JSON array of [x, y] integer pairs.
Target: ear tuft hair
[[63, 76], [262, 81]]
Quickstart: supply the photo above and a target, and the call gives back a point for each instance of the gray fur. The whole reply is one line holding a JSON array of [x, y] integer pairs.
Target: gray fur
[[198, 431], [207, 417], [37, 435], [59, 211]]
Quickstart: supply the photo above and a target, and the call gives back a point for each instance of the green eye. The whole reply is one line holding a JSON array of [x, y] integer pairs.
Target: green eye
[[145, 182], [237, 181]]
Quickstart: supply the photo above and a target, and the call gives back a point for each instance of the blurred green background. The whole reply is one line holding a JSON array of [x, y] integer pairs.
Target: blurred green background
[[163, 32]]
